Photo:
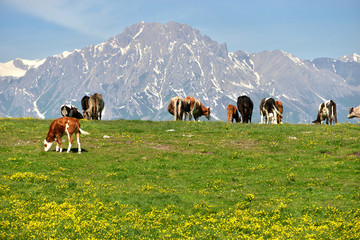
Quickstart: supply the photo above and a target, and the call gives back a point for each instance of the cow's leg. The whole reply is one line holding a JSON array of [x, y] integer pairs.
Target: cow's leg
[[59, 144], [274, 118], [261, 117], [266, 117], [70, 142], [78, 141]]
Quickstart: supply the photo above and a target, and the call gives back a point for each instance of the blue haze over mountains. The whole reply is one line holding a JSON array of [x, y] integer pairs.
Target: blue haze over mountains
[[139, 70]]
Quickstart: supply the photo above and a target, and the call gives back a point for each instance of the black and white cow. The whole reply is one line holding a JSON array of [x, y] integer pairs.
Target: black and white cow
[[268, 111], [326, 110], [70, 111], [354, 112]]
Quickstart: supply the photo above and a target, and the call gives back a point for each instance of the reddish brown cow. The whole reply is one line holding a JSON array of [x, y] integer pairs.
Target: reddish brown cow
[[280, 108], [232, 114], [59, 127], [194, 107]]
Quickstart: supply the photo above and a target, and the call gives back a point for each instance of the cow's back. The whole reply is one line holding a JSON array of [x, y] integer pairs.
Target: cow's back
[[245, 107]]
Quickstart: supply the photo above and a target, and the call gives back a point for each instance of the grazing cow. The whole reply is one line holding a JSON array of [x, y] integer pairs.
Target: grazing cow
[[245, 107], [279, 107], [70, 111], [326, 110], [354, 112], [176, 108], [85, 103], [60, 126], [194, 107], [232, 114], [269, 111], [96, 105]]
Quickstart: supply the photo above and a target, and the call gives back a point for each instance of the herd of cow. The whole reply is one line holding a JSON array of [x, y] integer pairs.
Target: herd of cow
[[92, 107], [270, 110]]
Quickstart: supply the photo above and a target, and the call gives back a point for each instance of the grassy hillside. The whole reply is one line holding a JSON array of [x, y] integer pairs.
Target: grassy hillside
[[196, 180]]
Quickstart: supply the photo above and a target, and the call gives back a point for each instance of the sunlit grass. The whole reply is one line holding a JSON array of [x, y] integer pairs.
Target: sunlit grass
[[188, 180]]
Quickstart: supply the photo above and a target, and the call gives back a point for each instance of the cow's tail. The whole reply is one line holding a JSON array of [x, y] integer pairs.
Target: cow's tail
[[277, 111], [179, 107], [176, 109], [333, 114], [95, 112], [83, 132]]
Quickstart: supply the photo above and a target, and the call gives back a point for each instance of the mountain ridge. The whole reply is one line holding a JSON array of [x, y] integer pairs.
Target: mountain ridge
[[139, 70]]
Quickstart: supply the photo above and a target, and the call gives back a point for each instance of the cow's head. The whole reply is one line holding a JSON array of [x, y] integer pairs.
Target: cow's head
[[208, 114], [87, 114], [353, 113], [47, 145]]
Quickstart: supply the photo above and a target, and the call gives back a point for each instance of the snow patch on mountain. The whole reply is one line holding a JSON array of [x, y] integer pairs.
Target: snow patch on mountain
[[351, 58], [18, 67]]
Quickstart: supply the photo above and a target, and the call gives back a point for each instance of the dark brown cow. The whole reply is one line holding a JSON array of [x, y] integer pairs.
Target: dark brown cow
[[232, 114], [60, 126], [85, 103], [326, 110], [354, 112], [279, 107], [96, 105], [194, 107], [245, 107], [176, 108]]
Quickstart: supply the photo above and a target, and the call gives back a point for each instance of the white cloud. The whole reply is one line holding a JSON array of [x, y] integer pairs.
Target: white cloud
[[91, 17]]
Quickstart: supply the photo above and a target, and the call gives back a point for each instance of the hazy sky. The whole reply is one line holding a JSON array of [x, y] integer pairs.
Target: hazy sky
[[35, 29]]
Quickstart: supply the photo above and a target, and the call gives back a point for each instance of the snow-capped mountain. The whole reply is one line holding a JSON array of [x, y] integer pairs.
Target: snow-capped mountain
[[348, 67], [139, 70], [18, 67]]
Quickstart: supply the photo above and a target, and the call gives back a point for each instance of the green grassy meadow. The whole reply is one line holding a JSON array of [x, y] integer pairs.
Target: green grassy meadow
[[181, 180]]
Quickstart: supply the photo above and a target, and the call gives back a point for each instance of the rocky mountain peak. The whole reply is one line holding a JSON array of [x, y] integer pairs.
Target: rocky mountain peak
[[139, 70]]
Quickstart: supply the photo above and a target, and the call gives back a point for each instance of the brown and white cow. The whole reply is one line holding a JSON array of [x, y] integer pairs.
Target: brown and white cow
[[59, 127], [354, 112], [96, 106], [70, 111], [280, 108], [245, 107], [326, 110], [268, 111], [194, 108], [176, 108], [233, 114]]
